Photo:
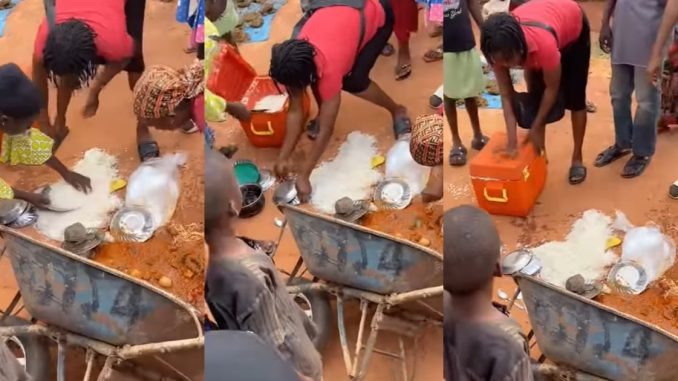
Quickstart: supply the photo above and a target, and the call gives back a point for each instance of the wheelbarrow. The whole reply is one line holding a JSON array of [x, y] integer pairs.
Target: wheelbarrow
[[586, 340], [124, 324], [392, 279]]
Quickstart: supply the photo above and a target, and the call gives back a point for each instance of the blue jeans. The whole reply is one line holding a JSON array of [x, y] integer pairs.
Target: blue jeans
[[639, 133]]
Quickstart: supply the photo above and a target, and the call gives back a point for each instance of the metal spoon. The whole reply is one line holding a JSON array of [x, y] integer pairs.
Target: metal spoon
[[505, 297]]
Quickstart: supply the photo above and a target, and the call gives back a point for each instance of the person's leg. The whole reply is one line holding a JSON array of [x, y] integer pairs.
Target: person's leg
[[134, 14], [479, 140], [621, 88], [644, 124], [376, 95], [147, 147], [458, 152], [405, 21]]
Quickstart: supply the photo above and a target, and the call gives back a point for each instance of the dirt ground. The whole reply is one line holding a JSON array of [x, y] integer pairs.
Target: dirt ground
[[113, 129], [642, 199], [414, 93]]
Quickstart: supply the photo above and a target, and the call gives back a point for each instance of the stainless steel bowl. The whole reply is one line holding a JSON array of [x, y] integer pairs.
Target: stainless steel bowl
[[27, 218], [286, 193], [393, 194], [132, 224], [516, 261], [11, 210]]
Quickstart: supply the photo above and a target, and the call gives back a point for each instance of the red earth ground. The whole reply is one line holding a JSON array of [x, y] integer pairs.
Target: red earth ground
[[355, 114], [113, 129], [642, 199]]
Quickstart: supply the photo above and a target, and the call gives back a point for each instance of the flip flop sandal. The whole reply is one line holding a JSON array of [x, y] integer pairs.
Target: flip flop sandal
[[435, 102], [191, 130], [479, 144], [577, 174], [590, 107], [635, 166], [402, 125], [403, 72], [148, 150], [388, 50], [433, 55], [458, 156], [312, 129], [611, 153], [673, 190]]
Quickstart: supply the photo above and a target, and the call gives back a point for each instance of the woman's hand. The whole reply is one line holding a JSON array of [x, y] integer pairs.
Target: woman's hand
[[605, 38], [238, 111], [282, 168], [78, 181], [304, 188]]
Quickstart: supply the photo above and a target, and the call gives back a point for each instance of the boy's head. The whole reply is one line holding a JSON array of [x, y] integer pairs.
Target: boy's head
[[223, 199], [502, 40], [471, 251], [70, 50], [20, 100], [292, 64]]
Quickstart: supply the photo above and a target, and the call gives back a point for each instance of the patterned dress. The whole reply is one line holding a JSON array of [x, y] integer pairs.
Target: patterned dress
[[31, 148]]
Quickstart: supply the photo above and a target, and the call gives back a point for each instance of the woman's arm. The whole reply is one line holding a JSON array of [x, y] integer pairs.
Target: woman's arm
[[295, 126], [327, 116], [42, 83], [506, 90], [76, 180]]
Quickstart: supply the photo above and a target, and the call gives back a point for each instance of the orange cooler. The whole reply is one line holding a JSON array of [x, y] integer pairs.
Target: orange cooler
[[233, 79], [504, 186]]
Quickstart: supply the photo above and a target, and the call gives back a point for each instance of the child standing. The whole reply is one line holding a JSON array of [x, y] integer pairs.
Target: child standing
[[463, 74], [479, 340]]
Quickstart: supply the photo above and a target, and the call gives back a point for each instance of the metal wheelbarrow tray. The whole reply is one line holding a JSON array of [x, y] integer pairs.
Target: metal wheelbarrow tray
[[90, 305], [381, 272], [590, 337]]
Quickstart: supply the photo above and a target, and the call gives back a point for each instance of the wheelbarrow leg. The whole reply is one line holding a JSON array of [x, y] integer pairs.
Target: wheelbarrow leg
[[107, 370], [11, 307], [371, 341], [90, 362], [359, 341], [342, 336], [61, 361]]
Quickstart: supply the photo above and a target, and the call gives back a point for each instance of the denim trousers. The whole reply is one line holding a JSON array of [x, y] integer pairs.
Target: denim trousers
[[640, 133]]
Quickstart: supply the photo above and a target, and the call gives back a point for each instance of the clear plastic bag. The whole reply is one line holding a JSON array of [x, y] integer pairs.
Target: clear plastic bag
[[155, 187], [646, 246], [400, 164]]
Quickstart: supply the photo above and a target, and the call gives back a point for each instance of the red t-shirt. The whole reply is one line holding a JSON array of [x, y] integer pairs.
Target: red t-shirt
[[105, 17], [564, 16], [335, 32]]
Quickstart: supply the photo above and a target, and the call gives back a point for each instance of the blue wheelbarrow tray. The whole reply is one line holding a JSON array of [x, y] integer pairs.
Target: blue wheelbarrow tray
[[84, 297], [590, 337]]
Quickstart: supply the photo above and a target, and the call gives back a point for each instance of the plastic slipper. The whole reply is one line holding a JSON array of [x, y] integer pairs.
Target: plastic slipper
[[479, 144], [312, 129], [388, 50], [433, 55], [635, 166], [403, 71], [673, 190], [611, 153], [435, 101], [458, 156], [577, 174], [402, 125], [148, 150]]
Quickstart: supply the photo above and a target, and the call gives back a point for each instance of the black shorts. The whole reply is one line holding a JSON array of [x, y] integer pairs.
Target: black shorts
[[358, 80], [574, 77], [134, 14]]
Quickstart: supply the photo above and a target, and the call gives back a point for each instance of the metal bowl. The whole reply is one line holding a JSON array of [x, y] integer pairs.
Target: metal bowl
[[27, 218], [266, 180], [253, 200], [286, 193], [11, 210], [628, 278], [393, 194], [516, 261], [132, 224]]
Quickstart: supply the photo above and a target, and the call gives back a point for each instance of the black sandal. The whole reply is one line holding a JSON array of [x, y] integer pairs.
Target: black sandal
[[673, 191], [313, 129], [148, 150], [458, 156], [388, 50], [577, 174], [635, 166], [611, 154], [402, 125], [479, 144]]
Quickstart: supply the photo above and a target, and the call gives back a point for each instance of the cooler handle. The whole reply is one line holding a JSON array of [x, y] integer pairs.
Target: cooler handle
[[267, 132], [503, 199]]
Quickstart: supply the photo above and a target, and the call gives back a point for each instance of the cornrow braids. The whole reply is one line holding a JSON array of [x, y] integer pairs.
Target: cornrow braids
[[502, 35], [70, 50], [292, 63]]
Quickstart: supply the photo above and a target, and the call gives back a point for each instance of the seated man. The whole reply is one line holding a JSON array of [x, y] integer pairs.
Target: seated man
[[480, 342], [243, 289], [334, 50]]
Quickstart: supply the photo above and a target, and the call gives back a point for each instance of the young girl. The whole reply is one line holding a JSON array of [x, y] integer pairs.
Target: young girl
[[192, 12], [20, 105]]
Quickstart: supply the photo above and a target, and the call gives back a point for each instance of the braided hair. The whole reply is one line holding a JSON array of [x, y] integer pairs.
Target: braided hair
[[70, 50], [292, 63], [501, 35]]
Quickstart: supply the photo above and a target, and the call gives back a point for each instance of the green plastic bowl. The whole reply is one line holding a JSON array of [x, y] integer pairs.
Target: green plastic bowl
[[246, 172]]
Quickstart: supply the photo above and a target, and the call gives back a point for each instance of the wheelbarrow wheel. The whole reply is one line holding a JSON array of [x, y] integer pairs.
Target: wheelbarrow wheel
[[34, 349], [317, 307]]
